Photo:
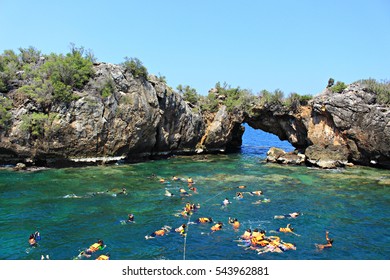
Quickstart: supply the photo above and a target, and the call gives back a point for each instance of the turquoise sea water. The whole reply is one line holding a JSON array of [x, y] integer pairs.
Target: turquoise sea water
[[353, 204]]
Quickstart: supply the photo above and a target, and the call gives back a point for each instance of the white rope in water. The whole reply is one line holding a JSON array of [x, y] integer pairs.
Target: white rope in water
[[216, 195], [188, 225], [185, 238]]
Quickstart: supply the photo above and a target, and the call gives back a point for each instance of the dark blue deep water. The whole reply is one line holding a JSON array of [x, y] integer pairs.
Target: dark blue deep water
[[65, 206]]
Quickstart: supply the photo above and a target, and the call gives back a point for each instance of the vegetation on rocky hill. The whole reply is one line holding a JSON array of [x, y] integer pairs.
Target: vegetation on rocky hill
[[57, 78], [381, 89]]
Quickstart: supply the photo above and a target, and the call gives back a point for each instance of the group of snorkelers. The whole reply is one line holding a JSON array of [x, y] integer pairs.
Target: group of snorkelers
[[256, 239], [111, 192], [251, 239]]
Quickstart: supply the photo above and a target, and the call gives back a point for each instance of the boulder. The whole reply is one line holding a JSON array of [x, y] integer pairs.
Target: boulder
[[278, 155], [20, 166]]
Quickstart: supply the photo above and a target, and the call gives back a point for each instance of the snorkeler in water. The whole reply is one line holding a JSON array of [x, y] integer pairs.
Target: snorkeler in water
[[288, 228], [181, 229], [225, 202], [290, 215], [234, 222], [247, 234], [216, 227], [160, 232], [258, 193], [204, 220], [183, 192], [168, 193], [239, 195], [329, 242], [87, 253], [33, 239], [130, 218]]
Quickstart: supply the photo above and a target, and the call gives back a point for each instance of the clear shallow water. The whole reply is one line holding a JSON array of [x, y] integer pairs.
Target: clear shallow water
[[353, 204]]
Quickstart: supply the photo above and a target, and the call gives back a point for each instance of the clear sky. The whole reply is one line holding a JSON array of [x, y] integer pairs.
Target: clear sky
[[295, 46]]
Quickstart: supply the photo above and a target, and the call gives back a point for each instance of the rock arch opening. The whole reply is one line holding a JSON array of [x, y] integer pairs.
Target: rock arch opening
[[257, 141]]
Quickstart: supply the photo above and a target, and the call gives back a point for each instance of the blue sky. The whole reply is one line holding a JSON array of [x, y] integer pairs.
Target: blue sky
[[295, 46]]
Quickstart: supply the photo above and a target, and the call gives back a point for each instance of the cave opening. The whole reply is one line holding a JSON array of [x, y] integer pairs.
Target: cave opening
[[258, 142]]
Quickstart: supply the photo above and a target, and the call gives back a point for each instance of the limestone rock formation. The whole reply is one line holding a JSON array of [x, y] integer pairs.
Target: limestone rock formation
[[224, 131], [143, 117], [335, 129]]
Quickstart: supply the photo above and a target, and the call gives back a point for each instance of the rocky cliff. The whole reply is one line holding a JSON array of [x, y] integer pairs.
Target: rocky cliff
[[335, 129], [143, 117]]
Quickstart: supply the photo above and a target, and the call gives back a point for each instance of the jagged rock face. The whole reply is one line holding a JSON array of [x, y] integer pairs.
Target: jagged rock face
[[336, 128], [358, 123], [224, 131], [144, 117], [139, 119]]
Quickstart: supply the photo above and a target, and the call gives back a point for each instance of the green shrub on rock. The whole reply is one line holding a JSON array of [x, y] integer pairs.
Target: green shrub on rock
[[5, 114], [135, 67]]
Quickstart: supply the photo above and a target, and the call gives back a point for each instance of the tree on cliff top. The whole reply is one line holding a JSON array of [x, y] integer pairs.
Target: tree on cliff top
[[189, 94], [136, 67]]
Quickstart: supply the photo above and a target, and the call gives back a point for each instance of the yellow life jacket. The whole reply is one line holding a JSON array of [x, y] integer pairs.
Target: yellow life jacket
[[259, 236], [103, 258], [94, 247], [236, 224], [262, 242], [274, 240], [253, 241], [204, 220]]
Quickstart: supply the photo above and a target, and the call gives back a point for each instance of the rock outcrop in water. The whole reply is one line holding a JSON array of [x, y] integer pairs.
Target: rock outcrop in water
[[335, 129], [139, 119], [143, 118]]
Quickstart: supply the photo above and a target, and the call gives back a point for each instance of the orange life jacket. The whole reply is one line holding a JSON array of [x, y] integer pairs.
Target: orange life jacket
[[160, 232], [216, 227], [204, 220]]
